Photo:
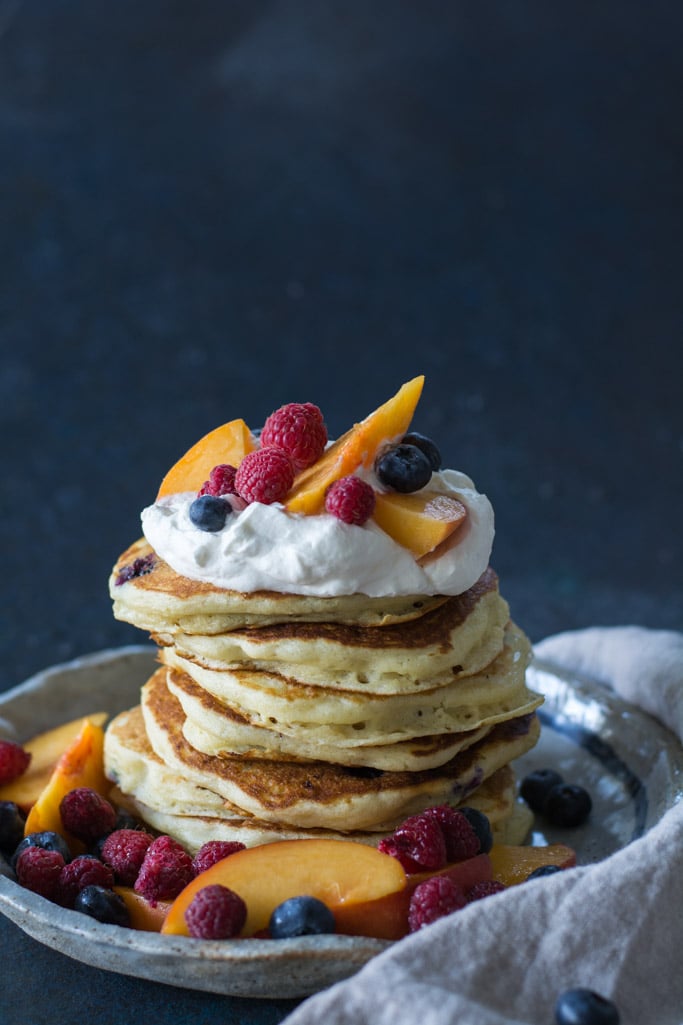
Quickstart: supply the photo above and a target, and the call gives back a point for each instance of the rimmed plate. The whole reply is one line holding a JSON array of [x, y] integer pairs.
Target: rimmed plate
[[632, 766]]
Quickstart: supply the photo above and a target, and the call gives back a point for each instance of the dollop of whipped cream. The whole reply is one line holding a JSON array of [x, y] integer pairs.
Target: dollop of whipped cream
[[265, 548]]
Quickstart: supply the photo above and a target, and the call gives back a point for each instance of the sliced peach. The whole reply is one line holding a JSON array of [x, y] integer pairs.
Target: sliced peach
[[45, 750], [513, 864], [358, 447], [80, 765], [338, 872], [143, 915], [226, 444], [420, 521]]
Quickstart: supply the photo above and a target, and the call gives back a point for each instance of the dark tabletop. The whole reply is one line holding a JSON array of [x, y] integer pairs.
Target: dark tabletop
[[210, 209]]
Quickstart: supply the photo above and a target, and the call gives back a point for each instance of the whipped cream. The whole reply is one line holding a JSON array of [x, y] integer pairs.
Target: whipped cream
[[265, 548]]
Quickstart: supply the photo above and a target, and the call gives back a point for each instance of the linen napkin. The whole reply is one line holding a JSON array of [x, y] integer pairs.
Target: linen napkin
[[615, 927]]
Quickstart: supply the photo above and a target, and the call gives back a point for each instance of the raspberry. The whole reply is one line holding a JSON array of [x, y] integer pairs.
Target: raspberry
[[215, 913], [38, 869], [418, 844], [14, 761], [298, 429], [166, 870], [124, 850], [221, 481], [264, 476], [213, 851], [461, 839], [433, 899], [484, 889], [351, 500], [86, 814], [79, 873]]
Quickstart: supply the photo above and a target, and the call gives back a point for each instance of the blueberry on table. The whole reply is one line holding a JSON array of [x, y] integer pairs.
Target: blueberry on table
[[425, 445], [404, 468], [209, 513], [585, 1007], [102, 904], [567, 804], [301, 916], [536, 785]]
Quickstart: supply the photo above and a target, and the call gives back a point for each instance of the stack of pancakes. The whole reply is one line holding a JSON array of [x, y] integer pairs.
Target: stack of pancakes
[[275, 716]]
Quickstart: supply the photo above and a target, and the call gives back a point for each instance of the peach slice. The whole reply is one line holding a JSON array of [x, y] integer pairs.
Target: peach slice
[[358, 447], [338, 872], [511, 864], [45, 750], [420, 521], [144, 916], [226, 444], [80, 765]]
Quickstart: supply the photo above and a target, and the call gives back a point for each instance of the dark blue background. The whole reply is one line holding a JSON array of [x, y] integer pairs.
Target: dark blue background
[[211, 208]]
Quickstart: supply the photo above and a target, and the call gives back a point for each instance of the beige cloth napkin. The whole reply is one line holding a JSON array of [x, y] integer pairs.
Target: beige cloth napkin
[[616, 927]]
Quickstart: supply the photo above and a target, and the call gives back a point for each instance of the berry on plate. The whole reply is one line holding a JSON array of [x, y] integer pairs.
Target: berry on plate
[[215, 913], [300, 916]]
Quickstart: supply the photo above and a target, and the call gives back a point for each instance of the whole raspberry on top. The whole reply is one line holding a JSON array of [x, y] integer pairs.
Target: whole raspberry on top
[[83, 871], [215, 913], [165, 871], [213, 851], [298, 429], [39, 869], [14, 761], [264, 476], [432, 899], [86, 814], [351, 500], [418, 844], [221, 481], [124, 850], [461, 839]]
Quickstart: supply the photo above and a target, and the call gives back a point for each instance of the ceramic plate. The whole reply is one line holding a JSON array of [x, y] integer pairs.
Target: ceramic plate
[[632, 766]]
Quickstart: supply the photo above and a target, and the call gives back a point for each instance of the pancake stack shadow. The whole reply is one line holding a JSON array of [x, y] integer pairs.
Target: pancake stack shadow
[[275, 716]]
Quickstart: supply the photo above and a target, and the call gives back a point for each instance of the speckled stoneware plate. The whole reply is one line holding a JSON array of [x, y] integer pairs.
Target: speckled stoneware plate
[[632, 766]]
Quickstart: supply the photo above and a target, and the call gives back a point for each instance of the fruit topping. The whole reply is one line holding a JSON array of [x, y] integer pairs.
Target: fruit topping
[[85, 870], [567, 804], [226, 444], [137, 568], [535, 786], [418, 844], [11, 826], [265, 476], [209, 513], [213, 851], [48, 841], [419, 522], [14, 761], [484, 889], [425, 445], [543, 870], [300, 916], [39, 869], [462, 840], [481, 826], [125, 851], [215, 913], [299, 430], [432, 899], [585, 1007], [351, 500], [404, 468], [103, 905], [86, 814], [221, 481], [165, 870], [514, 864]]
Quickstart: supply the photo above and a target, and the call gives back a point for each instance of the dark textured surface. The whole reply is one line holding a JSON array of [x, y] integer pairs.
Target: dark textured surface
[[209, 209]]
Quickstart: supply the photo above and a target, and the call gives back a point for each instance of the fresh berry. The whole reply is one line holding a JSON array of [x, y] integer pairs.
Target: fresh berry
[[418, 844], [404, 468], [165, 871], [138, 568], [38, 869], [481, 826], [102, 904], [425, 445], [47, 840], [11, 826], [215, 913], [209, 513], [535, 786], [301, 916], [86, 814], [14, 761], [567, 804], [543, 870], [298, 429], [484, 889], [351, 500], [585, 1007], [432, 899], [462, 840], [85, 870], [213, 851], [221, 481], [124, 850], [264, 476]]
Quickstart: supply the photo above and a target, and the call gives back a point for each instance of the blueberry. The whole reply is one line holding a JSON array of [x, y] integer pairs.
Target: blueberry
[[425, 445], [543, 870], [48, 840], [103, 905], [585, 1007], [301, 916], [404, 468], [535, 787], [567, 804], [11, 826], [210, 513], [481, 826]]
